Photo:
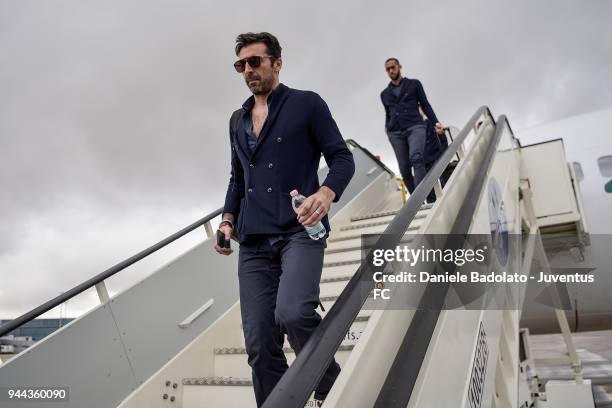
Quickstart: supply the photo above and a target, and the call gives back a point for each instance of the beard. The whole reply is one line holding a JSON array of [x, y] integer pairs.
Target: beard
[[395, 77], [262, 87]]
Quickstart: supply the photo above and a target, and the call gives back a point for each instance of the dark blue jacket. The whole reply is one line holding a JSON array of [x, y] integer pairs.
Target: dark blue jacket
[[298, 129], [402, 112]]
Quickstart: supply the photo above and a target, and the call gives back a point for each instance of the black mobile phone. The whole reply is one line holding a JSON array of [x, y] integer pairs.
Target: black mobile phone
[[221, 240]]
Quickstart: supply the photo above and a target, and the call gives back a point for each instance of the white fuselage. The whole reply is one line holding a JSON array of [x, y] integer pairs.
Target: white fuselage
[[586, 139]]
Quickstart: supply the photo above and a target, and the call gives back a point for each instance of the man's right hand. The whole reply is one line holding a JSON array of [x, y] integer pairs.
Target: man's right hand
[[227, 230]]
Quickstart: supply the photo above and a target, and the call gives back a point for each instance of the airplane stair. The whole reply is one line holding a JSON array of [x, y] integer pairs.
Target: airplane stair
[[175, 340]]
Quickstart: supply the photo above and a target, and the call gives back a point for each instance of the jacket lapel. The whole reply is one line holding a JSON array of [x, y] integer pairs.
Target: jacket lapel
[[276, 104], [240, 139]]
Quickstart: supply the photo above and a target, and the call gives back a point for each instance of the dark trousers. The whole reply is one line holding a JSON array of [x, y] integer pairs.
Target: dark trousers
[[279, 292], [409, 148], [431, 198]]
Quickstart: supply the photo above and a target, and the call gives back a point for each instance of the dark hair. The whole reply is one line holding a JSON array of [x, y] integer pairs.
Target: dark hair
[[272, 45], [392, 59]]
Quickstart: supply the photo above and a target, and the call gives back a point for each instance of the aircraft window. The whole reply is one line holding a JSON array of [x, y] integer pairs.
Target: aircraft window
[[578, 171], [605, 165]]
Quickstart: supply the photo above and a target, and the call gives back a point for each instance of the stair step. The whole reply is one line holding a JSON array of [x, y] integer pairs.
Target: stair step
[[232, 361], [342, 263], [342, 256], [352, 255], [218, 392], [336, 278], [246, 381], [324, 299], [353, 244], [357, 234], [344, 249], [236, 392], [343, 245], [375, 215], [332, 288], [385, 213], [376, 229], [372, 223], [333, 299], [386, 218], [286, 349], [351, 337], [339, 270]]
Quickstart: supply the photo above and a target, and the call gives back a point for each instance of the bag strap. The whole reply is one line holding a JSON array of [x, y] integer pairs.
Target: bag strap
[[236, 115], [234, 123]]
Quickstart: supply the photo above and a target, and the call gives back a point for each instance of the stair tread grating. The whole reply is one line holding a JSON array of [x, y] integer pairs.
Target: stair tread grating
[[336, 279], [342, 263], [234, 381], [374, 215], [347, 237], [242, 350], [385, 213], [374, 224]]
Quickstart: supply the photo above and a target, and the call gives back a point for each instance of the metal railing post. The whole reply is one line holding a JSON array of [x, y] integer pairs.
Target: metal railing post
[[208, 229], [102, 292]]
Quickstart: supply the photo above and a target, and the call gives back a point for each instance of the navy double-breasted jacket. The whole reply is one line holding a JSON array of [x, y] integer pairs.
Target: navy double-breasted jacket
[[299, 128], [402, 110]]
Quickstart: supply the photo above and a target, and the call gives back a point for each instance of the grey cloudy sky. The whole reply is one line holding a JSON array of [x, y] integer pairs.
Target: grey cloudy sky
[[113, 114]]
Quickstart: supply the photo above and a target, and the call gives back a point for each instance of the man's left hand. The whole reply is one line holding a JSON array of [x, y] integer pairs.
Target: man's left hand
[[439, 129], [314, 208]]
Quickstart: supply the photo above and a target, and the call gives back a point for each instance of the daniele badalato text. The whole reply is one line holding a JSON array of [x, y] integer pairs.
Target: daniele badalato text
[[459, 257]]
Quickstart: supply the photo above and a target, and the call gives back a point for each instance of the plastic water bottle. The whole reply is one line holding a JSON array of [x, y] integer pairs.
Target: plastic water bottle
[[316, 232]]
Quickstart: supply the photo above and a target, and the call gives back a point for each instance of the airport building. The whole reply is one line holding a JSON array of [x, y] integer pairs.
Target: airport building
[[37, 329]]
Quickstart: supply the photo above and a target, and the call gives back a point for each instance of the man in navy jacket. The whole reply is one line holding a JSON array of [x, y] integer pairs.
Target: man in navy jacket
[[277, 139], [405, 128]]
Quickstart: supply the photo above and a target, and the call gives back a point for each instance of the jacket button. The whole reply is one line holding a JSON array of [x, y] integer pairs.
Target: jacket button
[[251, 165], [270, 165], [269, 189], [250, 190], [279, 139]]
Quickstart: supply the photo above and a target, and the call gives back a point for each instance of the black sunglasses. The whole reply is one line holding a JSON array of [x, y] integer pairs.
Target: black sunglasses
[[253, 61]]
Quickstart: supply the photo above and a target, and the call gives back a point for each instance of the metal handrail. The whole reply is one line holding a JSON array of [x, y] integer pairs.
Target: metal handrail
[[401, 379], [56, 301], [298, 382], [370, 155]]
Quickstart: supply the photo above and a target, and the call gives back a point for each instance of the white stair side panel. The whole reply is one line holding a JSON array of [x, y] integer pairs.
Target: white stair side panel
[[197, 359]]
